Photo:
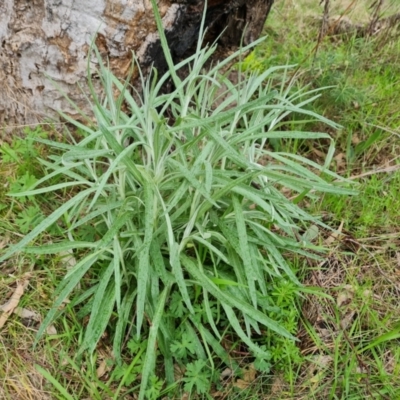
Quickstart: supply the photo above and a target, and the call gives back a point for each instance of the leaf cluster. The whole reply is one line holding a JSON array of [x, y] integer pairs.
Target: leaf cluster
[[195, 223]]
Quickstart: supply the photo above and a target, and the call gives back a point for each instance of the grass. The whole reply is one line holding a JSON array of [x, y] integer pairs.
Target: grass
[[343, 355], [348, 333]]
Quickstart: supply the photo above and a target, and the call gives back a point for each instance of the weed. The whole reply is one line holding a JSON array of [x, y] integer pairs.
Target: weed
[[348, 339], [191, 224]]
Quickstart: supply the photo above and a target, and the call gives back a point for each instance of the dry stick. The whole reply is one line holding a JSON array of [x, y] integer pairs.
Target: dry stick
[[320, 38], [323, 30], [392, 168], [375, 16], [384, 235], [384, 128]]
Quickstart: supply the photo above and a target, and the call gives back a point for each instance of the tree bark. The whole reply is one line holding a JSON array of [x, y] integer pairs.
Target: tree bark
[[45, 44]]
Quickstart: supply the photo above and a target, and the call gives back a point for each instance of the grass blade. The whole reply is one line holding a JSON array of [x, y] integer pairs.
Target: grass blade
[[53, 217], [149, 360], [46, 374], [144, 265], [244, 307], [244, 250]]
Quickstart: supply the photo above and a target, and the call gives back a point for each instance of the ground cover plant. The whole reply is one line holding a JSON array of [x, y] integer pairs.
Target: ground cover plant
[[347, 346], [188, 216]]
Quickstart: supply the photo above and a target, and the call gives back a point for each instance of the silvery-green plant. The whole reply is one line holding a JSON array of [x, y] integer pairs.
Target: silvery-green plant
[[192, 208]]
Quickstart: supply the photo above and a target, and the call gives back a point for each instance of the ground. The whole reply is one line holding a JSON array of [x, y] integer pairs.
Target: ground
[[346, 323]]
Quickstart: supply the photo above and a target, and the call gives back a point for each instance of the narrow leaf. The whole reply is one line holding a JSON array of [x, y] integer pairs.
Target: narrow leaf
[[144, 267], [231, 301], [150, 358], [46, 223], [244, 250]]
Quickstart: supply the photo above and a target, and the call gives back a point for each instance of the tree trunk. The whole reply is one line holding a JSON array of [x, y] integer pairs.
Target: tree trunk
[[45, 44]]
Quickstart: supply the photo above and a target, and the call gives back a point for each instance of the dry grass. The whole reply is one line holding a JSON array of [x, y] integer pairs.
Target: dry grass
[[20, 380]]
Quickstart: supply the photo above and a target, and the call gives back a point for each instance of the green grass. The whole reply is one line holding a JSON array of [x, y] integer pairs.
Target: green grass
[[347, 320], [361, 360]]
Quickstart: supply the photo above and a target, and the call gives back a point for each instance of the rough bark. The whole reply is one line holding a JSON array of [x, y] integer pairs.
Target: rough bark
[[43, 42]]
